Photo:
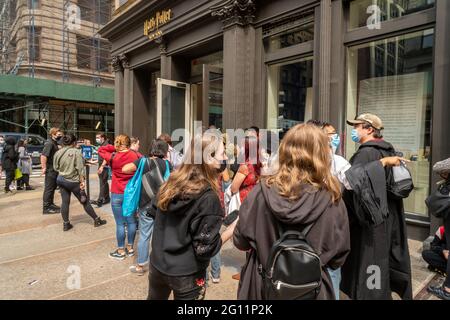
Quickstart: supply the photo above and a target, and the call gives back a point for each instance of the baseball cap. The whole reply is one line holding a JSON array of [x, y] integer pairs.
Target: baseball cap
[[372, 119]]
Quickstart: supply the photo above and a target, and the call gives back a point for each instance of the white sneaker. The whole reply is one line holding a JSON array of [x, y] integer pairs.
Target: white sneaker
[[214, 280]]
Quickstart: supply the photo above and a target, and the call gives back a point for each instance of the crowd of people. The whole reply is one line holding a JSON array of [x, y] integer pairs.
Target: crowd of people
[[345, 211]]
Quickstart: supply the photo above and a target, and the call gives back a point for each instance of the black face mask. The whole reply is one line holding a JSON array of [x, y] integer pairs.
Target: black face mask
[[223, 166], [58, 138]]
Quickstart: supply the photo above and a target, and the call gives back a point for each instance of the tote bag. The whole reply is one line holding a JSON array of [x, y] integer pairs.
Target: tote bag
[[132, 193]]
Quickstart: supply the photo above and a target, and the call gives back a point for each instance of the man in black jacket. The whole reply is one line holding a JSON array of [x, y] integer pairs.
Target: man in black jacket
[[50, 148], [10, 157], [379, 260]]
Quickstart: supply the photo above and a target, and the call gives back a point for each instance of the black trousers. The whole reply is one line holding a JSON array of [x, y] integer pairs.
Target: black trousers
[[184, 288], [24, 181], [435, 260], [104, 186], [49, 188], [447, 237], [9, 178], [67, 188]]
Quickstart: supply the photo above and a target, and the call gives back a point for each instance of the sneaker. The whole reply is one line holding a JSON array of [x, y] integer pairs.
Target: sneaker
[[214, 280], [50, 211], [19, 188], [139, 270], [67, 226], [130, 252], [29, 188], [439, 292], [118, 256], [99, 222]]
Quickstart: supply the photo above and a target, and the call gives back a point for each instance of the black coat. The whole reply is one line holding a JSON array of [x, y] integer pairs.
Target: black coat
[[383, 245], [10, 156]]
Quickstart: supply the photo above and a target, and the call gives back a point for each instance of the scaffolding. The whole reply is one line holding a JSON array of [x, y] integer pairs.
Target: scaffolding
[[43, 34], [56, 40]]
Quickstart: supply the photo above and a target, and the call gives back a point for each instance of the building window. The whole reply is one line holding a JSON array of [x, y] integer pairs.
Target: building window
[[98, 11], [289, 94], [34, 43], [398, 87], [93, 54], [362, 11], [33, 4], [278, 36]]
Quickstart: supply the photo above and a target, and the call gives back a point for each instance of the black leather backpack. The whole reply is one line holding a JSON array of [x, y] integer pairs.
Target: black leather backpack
[[293, 270]]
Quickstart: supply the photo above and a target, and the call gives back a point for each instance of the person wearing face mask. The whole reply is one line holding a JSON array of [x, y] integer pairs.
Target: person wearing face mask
[[377, 220], [50, 148], [103, 172], [188, 217]]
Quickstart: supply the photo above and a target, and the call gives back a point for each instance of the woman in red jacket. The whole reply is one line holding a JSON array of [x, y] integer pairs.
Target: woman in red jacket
[[118, 156]]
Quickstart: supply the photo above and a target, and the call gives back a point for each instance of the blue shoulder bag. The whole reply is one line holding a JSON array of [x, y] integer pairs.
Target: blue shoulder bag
[[132, 193]]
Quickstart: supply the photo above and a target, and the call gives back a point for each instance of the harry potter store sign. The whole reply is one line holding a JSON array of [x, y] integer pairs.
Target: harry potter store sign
[[152, 25]]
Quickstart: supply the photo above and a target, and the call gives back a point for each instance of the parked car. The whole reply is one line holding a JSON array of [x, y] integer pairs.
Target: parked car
[[34, 147]]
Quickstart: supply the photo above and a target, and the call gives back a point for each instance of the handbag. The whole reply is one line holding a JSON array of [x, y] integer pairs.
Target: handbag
[[132, 194], [17, 174], [232, 204]]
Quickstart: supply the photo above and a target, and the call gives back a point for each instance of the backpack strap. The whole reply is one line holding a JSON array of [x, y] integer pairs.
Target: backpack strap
[[111, 160]]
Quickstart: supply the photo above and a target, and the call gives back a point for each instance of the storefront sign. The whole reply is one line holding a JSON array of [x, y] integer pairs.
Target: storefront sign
[[152, 25]]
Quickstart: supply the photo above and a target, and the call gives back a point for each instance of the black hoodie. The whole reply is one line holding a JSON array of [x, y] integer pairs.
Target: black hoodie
[[256, 231], [186, 236], [10, 156]]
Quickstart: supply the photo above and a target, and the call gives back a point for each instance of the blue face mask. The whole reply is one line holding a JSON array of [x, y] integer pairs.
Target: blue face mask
[[355, 136], [335, 141]]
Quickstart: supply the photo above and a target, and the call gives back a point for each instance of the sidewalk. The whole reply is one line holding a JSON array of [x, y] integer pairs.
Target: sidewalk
[[35, 255]]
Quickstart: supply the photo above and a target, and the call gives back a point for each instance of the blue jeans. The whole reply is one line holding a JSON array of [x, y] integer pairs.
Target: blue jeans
[[215, 266], [335, 276], [121, 221], [145, 233]]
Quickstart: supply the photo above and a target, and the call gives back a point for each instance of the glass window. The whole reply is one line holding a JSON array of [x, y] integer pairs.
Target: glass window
[[393, 78], [33, 4], [363, 13], [34, 43], [289, 94], [289, 35]]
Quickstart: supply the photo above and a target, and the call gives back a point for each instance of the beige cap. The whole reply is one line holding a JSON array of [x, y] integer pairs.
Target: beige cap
[[372, 119]]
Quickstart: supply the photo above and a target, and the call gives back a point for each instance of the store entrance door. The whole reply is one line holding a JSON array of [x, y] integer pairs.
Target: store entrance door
[[173, 109], [212, 100]]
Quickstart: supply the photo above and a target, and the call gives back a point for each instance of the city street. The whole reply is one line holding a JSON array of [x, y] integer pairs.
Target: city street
[[37, 257]]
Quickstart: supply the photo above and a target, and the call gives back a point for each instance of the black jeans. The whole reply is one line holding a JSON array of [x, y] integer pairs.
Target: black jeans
[[24, 181], [49, 188], [435, 260], [184, 288], [9, 178], [67, 188], [104, 186], [447, 237]]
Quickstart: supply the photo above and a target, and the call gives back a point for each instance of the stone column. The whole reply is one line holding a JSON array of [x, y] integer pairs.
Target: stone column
[[118, 95], [127, 115], [238, 67], [322, 63]]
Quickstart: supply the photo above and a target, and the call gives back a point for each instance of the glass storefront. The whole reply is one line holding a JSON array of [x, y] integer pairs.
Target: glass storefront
[[393, 78], [290, 94], [207, 88], [363, 12]]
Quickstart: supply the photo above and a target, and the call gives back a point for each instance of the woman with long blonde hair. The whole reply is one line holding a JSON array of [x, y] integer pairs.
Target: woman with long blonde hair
[[188, 216], [302, 193]]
